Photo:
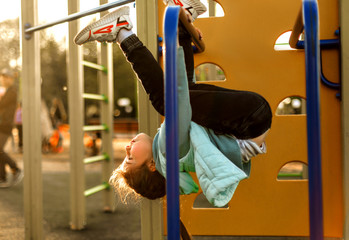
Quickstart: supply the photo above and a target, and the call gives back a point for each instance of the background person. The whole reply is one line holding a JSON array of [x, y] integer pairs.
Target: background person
[[8, 105], [19, 126]]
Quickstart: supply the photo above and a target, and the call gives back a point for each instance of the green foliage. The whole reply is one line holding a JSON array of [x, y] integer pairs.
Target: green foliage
[[53, 71], [9, 38], [125, 81], [53, 67]]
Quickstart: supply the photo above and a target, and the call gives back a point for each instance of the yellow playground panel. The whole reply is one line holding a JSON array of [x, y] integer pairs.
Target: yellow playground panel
[[242, 44]]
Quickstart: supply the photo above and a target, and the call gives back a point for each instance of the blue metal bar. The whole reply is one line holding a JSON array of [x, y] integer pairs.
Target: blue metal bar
[[324, 44], [312, 60], [77, 15], [328, 83], [324, 80], [171, 118]]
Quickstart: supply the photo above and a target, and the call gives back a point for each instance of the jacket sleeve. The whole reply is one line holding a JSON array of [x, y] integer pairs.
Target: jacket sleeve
[[9, 98], [217, 175], [184, 109]]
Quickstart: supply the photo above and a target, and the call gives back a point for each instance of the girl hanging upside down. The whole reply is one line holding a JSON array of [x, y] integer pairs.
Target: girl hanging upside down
[[220, 129]]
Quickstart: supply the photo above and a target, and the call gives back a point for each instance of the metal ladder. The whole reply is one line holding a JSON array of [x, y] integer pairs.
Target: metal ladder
[[104, 66]]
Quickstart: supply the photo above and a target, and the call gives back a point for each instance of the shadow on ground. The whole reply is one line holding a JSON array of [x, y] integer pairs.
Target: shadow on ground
[[124, 223]]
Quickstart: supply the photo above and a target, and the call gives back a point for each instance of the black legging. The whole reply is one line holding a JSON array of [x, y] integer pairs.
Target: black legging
[[243, 114]]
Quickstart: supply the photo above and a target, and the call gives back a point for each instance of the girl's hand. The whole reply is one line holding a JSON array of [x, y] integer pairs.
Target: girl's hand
[[199, 32], [189, 17]]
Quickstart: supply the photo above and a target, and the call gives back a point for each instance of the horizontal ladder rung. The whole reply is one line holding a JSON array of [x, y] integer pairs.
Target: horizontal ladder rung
[[97, 158], [95, 66], [96, 189], [95, 128], [101, 97], [281, 175]]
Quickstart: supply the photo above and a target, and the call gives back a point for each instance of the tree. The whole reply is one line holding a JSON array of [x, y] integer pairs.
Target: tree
[[125, 80], [53, 70], [9, 47], [53, 67]]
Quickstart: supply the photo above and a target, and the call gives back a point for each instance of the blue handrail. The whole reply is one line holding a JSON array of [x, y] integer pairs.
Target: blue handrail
[[325, 44], [171, 118], [312, 61]]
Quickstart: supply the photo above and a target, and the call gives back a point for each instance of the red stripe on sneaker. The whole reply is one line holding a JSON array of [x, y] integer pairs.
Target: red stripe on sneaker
[[121, 24], [106, 29], [177, 2]]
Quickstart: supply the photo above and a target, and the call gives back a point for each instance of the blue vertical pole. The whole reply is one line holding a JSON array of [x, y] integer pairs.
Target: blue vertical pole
[[312, 60], [171, 118]]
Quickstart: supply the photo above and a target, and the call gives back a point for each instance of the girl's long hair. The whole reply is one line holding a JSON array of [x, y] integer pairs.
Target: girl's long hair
[[132, 184]]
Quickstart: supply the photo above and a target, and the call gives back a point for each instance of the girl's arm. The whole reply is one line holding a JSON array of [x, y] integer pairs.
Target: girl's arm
[[184, 109]]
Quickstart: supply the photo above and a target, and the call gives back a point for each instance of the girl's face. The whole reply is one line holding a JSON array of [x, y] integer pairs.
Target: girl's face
[[138, 152]]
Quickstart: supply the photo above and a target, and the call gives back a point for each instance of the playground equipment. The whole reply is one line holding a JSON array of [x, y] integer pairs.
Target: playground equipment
[[310, 17], [312, 48], [171, 117], [31, 110], [172, 16], [282, 206]]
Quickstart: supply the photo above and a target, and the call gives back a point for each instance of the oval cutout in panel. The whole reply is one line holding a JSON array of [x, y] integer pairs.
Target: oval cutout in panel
[[292, 105], [202, 202], [282, 42], [294, 170], [214, 9], [209, 72]]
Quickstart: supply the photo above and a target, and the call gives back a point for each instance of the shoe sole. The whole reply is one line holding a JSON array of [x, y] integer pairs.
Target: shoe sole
[[198, 6], [107, 19]]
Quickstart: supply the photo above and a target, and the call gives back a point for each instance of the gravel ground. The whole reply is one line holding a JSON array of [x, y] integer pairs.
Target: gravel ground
[[123, 224]]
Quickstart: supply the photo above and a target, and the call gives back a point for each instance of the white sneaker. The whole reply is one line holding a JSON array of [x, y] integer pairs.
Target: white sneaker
[[17, 177], [194, 7], [107, 28]]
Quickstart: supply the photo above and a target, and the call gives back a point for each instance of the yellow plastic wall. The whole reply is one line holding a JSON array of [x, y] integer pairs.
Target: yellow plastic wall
[[242, 44]]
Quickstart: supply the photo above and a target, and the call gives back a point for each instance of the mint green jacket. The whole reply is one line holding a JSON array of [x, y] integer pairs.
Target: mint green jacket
[[216, 159]]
